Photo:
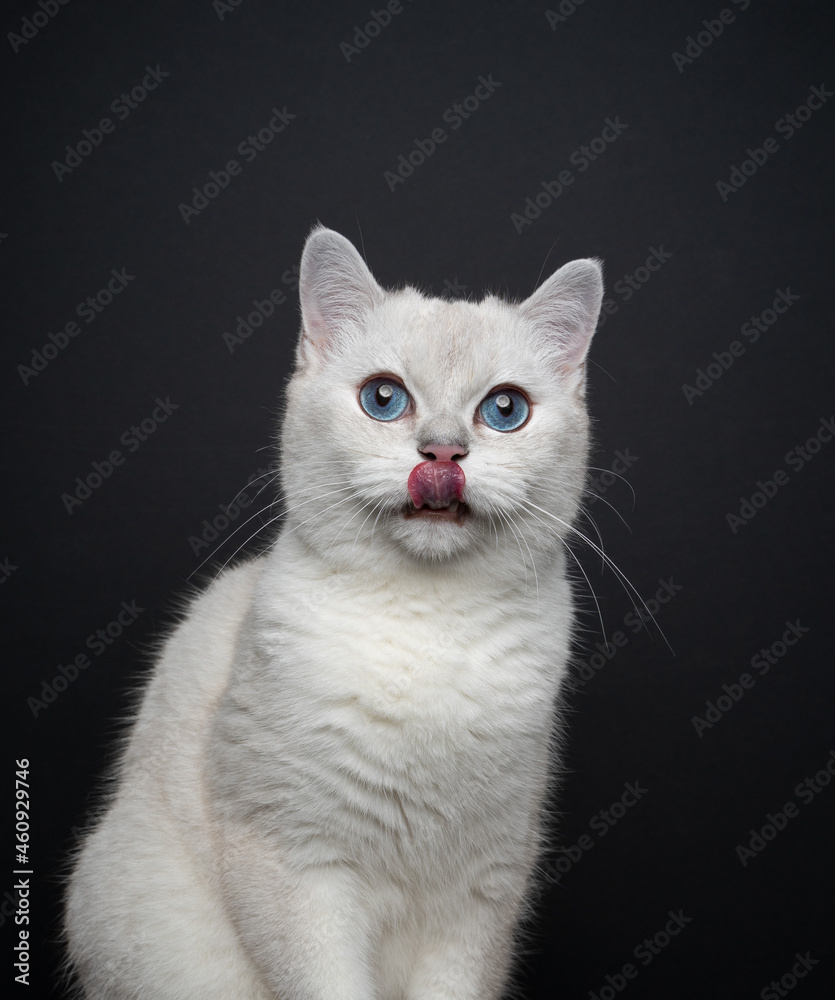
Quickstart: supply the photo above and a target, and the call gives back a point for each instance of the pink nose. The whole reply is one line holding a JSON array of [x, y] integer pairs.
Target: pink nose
[[443, 452]]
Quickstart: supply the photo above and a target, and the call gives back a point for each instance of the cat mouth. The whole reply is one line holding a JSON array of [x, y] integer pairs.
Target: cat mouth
[[455, 510], [436, 491]]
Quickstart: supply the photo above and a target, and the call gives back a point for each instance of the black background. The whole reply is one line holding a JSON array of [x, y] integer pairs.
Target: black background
[[446, 226]]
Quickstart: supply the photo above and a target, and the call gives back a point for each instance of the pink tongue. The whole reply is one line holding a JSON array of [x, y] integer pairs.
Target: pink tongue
[[436, 484]]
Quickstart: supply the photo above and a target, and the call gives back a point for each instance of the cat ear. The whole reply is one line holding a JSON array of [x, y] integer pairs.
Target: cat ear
[[335, 287], [566, 308]]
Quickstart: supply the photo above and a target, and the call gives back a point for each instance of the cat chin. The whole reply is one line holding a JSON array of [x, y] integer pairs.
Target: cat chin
[[437, 536]]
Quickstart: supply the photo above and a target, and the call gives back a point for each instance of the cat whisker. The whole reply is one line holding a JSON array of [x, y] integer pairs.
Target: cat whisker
[[495, 532], [269, 482], [580, 566], [357, 512], [274, 473], [301, 524], [271, 472], [374, 526], [243, 524], [583, 511], [547, 255], [611, 507], [505, 519], [278, 517], [533, 561], [622, 578], [593, 468], [379, 506], [245, 542], [605, 372], [239, 527]]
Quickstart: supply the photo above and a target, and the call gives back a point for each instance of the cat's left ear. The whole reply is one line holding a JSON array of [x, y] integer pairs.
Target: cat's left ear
[[566, 308], [336, 290]]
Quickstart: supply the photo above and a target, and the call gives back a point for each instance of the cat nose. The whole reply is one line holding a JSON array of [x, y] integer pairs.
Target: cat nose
[[443, 452]]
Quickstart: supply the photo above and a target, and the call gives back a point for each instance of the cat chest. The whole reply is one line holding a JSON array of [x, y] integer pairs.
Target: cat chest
[[416, 697], [417, 663], [405, 727]]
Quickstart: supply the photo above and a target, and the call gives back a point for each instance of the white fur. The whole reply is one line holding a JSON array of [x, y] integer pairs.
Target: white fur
[[334, 787]]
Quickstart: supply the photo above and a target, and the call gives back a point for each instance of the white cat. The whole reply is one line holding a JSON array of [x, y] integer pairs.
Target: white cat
[[334, 786]]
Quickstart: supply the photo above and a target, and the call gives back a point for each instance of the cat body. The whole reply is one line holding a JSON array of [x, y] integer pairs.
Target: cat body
[[334, 786]]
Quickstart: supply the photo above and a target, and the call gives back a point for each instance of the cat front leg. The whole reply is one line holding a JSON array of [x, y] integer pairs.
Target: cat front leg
[[469, 957], [452, 972], [305, 929]]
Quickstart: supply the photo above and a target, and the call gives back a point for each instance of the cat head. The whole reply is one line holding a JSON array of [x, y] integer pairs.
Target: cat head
[[423, 429]]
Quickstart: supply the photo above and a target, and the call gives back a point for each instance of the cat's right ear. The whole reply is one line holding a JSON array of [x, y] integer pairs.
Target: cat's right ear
[[566, 308], [336, 290]]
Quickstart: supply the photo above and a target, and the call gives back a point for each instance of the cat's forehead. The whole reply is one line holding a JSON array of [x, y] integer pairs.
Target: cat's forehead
[[437, 344]]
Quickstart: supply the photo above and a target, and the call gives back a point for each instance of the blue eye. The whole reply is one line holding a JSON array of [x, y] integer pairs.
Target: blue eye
[[384, 398], [505, 409]]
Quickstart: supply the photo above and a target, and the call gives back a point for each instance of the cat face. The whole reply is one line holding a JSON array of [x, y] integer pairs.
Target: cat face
[[429, 430]]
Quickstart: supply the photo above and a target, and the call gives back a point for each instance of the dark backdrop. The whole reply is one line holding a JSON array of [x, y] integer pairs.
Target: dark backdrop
[[711, 386]]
